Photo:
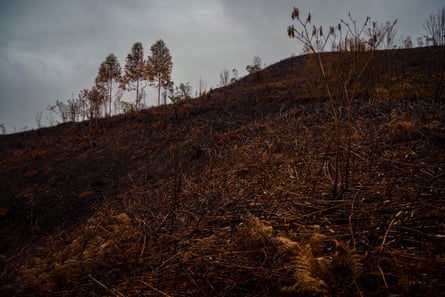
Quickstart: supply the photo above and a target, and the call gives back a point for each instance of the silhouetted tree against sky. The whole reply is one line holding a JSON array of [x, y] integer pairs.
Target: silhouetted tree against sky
[[159, 65], [95, 96], [109, 72], [82, 98], [185, 91], [234, 75], [134, 71], [224, 78], [435, 26], [255, 66], [202, 85], [60, 109]]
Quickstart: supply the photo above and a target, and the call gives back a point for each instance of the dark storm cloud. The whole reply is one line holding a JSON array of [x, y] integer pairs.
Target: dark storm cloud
[[51, 49], [271, 16], [264, 25], [264, 22]]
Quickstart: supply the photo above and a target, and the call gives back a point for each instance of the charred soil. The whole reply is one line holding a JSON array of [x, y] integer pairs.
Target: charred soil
[[231, 194]]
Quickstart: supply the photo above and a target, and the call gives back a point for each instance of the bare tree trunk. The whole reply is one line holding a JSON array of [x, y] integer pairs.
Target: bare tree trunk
[[159, 92], [137, 94], [111, 90]]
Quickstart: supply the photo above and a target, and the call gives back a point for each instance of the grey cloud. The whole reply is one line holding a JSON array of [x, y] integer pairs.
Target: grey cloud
[[51, 49]]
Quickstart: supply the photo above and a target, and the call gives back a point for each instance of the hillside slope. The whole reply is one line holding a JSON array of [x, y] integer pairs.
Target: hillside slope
[[231, 194]]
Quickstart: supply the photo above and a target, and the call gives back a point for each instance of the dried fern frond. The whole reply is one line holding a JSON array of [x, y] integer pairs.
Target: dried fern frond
[[258, 230], [308, 281], [317, 270], [67, 265], [317, 241], [349, 259], [287, 243]]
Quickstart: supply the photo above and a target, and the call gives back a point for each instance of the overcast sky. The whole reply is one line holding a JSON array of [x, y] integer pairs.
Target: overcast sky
[[51, 49]]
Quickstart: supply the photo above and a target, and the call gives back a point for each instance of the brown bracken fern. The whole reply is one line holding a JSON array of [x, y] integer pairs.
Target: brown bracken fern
[[321, 264]]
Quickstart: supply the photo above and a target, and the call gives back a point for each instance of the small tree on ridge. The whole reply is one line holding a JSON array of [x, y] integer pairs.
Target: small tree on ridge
[[435, 27], [134, 71], [159, 66], [109, 71]]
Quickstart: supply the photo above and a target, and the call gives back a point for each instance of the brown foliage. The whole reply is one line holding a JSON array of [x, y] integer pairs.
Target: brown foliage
[[229, 198]]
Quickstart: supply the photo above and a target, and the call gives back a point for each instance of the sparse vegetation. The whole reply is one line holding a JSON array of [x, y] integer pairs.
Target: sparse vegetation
[[109, 72], [255, 66], [135, 72], [231, 194], [435, 27], [159, 66], [218, 201], [343, 80], [224, 78]]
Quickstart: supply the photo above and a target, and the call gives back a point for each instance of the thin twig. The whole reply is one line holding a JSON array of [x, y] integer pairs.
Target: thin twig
[[112, 291], [383, 276], [154, 289], [351, 229], [143, 248], [191, 278], [358, 288], [393, 221]]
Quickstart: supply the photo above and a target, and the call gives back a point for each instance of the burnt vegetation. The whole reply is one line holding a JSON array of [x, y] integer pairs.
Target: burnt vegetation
[[269, 186], [231, 193]]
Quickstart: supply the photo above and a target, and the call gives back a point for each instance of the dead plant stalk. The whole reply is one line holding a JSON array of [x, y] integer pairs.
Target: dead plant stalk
[[361, 52]]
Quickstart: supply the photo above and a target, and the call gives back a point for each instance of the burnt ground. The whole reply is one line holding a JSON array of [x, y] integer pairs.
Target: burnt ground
[[232, 194]]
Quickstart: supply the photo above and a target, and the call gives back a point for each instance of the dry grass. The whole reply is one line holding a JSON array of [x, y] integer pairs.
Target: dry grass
[[233, 197]]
